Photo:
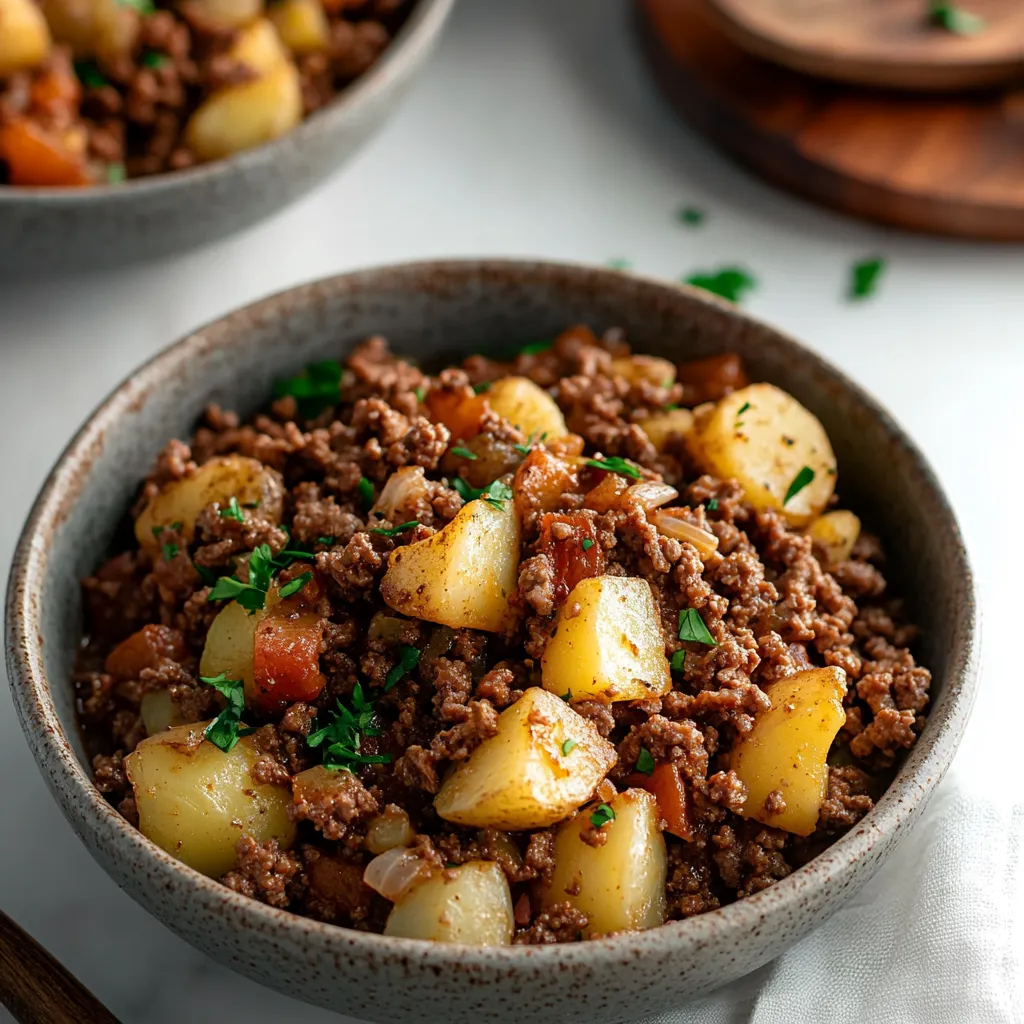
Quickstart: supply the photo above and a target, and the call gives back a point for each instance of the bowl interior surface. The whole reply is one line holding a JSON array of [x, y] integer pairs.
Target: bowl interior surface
[[433, 313]]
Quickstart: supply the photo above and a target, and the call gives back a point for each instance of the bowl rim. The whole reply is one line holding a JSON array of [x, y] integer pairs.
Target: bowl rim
[[416, 34], [906, 796]]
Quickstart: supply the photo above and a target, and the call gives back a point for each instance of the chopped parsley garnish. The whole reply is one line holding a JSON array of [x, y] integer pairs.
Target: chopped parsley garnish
[[602, 816], [325, 540], [365, 489], [678, 661], [742, 409], [864, 277], [153, 59], [644, 761], [395, 530], [232, 511], [536, 346], [496, 494], [567, 696], [317, 388], [223, 730], [169, 551], [616, 465], [525, 449], [465, 492], [464, 453], [252, 596], [408, 659], [568, 747], [692, 216], [729, 283], [295, 585], [89, 75], [485, 385], [587, 543], [420, 394], [618, 263], [800, 481], [116, 173], [142, 6], [342, 736], [157, 530], [954, 19], [693, 630], [711, 504]]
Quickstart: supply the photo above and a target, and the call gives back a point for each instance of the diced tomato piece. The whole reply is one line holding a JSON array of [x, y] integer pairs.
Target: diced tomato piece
[[708, 380], [572, 558], [460, 412], [56, 92], [286, 658], [674, 804], [147, 648], [36, 158]]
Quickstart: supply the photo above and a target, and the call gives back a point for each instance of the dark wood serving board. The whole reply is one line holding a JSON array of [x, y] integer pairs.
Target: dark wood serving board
[[945, 165]]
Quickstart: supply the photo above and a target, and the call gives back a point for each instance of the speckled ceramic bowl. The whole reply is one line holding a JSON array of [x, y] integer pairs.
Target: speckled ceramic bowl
[[51, 230], [434, 311]]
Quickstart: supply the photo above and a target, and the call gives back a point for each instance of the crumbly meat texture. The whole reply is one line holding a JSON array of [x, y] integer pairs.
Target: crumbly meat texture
[[765, 597]]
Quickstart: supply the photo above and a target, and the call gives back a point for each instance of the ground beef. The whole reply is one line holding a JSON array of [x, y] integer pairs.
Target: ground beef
[[394, 702]]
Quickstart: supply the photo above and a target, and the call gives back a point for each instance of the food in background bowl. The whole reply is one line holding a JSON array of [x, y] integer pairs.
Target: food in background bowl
[[537, 649], [94, 91]]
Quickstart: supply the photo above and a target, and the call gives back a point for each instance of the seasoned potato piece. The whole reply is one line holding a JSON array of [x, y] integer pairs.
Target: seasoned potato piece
[[459, 411], [662, 426], [230, 645], [470, 904], [302, 25], [767, 447], [389, 829], [786, 750], [24, 36], [541, 481], [259, 46], [620, 886], [246, 115], [159, 712], [463, 575], [92, 28], [220, 479], [835, 533], [520, 778], [528, 407], [612, 647], [224, 14], [649, 368], [195, 801]]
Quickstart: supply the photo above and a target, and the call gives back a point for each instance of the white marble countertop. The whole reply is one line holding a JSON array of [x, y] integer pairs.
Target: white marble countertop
[[535, 132]]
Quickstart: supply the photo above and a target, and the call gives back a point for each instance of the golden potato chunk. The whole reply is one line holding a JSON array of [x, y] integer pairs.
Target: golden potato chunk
[[159, 712], [258, 46], [663, 426], [220, 479], [620, 886], [24, 36], [607, 644], [463, 575], [196, 802], [635, 369], [834, 535], [302, 25], [543, 763], [230, 645], [469, 904], [785, 753], [774, 448], [527, 406], [224, 14]]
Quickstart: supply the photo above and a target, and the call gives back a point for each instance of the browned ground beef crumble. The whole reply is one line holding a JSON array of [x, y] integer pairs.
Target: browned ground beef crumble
[[763, 595]]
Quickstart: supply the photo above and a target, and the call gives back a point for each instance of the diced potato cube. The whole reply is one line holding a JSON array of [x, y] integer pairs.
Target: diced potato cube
[[662, 426], [196, 802], [786, 751], [607, 644], [259, 45], [541, 480], [159, 712], [463, 575], [389, 829], [766, 440], [527, 406], [620, 886], [224, 14], [543, 763], [302, 25], [834, 534], [230, 645], [218, 480], [469, 904], [649, 368], [24, 36], [240, 117]]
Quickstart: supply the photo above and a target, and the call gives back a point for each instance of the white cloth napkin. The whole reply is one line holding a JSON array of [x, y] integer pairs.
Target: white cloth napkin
[[936, 937]]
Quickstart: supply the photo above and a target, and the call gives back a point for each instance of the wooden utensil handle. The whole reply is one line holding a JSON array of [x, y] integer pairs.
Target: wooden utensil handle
[[36, 989]]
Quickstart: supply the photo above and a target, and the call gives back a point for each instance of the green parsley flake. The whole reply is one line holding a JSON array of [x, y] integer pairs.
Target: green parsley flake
[[483, 386], [142, 6], [729, 282], [693, 630], [208, 576], [800, 481], [644, 761], [742, 409], [587, 543], [252, 596], [408, 659], [318, 387], [152, 59], [116, 173], [395, 530], [536, 347], [90, 75], [325, 540], [496, 494], [295, 585], [170, 551], [567, 696], [464, 453], [692, 216], [365, 489], [465, 492], [342, 736], [616, 465], [954, 19], [222, 732], [711, 504], [864, 278], [420, 394], [568, 747], [678, 662], [602, 816], [232, 511]]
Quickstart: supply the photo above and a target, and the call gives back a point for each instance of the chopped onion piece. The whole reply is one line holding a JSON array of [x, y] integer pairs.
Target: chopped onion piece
[[405, 489], [389, 829], [395, 872], [670, 523], [649, 494], [386, 626]]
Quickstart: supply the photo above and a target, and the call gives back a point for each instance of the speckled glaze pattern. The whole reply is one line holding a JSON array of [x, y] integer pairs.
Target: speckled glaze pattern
[[435, 312], [51, 230]]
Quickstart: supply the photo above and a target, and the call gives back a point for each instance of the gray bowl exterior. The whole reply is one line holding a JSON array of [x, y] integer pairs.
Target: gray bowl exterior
[[433, 312], [47, 230]]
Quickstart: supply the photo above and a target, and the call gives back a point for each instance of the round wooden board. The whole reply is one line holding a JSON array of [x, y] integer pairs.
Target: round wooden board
[[945, 165], [880, 43]]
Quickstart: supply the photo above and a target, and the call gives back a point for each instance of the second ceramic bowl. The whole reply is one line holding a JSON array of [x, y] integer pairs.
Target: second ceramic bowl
[[435, 312]]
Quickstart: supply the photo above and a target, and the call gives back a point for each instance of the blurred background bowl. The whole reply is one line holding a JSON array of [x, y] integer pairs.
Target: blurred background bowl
[[53, 230]]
